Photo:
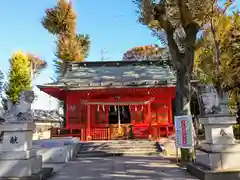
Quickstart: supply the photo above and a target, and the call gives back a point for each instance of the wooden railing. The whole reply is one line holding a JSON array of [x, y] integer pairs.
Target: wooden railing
[[108, 133], [100, 133]]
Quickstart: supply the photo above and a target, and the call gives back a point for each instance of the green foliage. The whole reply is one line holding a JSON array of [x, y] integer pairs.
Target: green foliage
[[221, 38], [61, 21], [84, 42], [1, 83], [19, 76], [236, 131]]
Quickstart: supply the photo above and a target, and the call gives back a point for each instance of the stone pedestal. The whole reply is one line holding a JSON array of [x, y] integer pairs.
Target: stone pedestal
[[218, 156], [219, 150], [17, 158]]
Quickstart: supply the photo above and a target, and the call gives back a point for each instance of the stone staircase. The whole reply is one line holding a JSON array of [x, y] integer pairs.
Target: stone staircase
[[119, 148]]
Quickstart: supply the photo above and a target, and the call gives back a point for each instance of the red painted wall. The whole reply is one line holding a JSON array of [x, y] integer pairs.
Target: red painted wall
[[161, 108]]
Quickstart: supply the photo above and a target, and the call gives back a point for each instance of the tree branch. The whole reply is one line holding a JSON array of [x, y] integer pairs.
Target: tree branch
[[185, 14], [191, 31], [173, 48], [65, 16]]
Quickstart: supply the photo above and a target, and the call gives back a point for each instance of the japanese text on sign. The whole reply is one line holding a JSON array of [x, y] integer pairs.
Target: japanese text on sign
[[14, 140], [184, 132]]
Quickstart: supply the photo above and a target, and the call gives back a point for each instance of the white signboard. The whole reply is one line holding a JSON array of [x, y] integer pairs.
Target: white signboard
[[184, 132]]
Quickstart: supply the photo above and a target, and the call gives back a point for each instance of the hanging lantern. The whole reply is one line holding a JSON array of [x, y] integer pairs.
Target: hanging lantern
[[115, 108], [136, 108], [103, 108], [98, 108], [141, 108]]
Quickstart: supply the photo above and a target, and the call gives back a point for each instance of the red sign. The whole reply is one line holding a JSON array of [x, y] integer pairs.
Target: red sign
[[184, 132]]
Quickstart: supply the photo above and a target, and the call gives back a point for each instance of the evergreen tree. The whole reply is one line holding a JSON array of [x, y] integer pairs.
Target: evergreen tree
[[61, 21], [1, 83], [19, 76]]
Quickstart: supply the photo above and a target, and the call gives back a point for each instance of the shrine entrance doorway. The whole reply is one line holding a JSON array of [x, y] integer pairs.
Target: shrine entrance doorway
[[119, 111], [119, 119]]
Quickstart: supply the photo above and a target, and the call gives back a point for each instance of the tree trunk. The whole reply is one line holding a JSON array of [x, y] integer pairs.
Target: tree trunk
[[183, 98], [183, 64], [183, 95]]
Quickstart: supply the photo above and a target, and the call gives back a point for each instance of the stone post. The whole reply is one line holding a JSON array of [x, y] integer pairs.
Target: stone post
[[17, 158]]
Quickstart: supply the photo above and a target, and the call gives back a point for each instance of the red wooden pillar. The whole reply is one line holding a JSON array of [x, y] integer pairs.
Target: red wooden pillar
[[67, 110], [107, 108], [106, 113], [170, 116], [149, 119], [149, 113], [88, 122]]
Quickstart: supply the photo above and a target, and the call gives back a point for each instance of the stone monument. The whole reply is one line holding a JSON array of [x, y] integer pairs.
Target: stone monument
[[218, 154], [17, 158]]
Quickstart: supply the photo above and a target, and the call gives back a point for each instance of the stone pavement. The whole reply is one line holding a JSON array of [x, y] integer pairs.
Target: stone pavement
[[121, 168]]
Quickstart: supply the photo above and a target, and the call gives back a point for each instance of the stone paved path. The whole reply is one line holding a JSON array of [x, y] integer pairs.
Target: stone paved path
[[121, 168]]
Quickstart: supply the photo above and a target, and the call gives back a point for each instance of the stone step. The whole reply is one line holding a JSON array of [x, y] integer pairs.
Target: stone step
[[114, 143], [122, 148], [122, 145], [130, 149], [118, 146], [121, 151], [132, 152], [97, 154], [141, 154], [107, 154], [119, 142], [136, 144]]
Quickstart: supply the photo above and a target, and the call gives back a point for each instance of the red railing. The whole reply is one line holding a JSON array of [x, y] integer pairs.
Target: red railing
[[67, 132], [100, 133], [158, 131], [105, 133]]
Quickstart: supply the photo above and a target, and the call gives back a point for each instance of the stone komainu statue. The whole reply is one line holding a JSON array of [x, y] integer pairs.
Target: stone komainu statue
[[22, 110]]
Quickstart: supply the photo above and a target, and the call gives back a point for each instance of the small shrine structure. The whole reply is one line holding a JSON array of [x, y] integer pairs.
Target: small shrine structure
[[111, 100]]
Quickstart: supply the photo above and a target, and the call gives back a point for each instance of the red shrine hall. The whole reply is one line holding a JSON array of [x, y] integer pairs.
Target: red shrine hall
[[115, 100]]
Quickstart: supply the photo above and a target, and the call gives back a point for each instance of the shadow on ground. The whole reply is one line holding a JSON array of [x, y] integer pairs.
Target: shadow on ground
[[120, 168]]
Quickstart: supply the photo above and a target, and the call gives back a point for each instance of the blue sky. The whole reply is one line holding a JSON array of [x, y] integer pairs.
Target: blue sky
[[111, 24]]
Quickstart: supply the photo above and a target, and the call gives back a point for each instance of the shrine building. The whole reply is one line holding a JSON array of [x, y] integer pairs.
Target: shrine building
[[108, 100]]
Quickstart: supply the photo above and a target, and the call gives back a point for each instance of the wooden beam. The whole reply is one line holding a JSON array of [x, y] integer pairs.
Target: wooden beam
[[113, 102]]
